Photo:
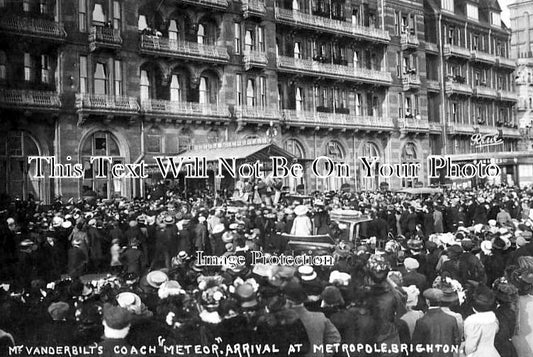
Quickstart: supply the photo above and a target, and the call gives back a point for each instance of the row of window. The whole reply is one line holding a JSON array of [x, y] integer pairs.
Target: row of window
[[475, 41], [37, 68], [479, 76], [479, 113], [472, 12]]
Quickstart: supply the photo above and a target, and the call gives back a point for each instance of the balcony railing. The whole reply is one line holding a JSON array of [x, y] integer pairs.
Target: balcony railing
[[257, 113], [433, 85], [511, 132], [253, 8], [106, 103], [456, 51], [411, 81], [485, 92], [218, 4], [483, 57], [458, 129], [299, 65], [432, 47], [505, 62], [107, 37], [335, 120], [435, 127], [333, 26], [254, 59], [413, 124], [23, 99], [185, 109], [33, 27], [458, 88], [408, 40], [507, 96], [182, 49]]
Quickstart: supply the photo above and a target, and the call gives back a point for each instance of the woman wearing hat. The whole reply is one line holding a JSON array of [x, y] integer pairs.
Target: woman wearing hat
[[481, 327], [302, 225], [506, 313], [523, 340]]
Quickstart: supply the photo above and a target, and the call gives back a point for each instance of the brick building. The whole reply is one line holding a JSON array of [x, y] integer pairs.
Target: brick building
[[136, 79]]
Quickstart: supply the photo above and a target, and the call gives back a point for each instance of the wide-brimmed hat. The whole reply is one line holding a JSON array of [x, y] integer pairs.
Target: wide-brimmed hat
[[170, 288], [58, 310], [411, 263], [415, 244], [227, 237], [449, 294], [412, 295], [486, 247], [129, 301], [156, 278], [307, 272], [246, 295], [301, 210], [219, 228], [169, 220], [504, 291], [340, 278], [332, 296]]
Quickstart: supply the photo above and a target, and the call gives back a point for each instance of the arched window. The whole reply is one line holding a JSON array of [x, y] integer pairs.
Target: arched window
[[145, 85], [335, 152], [409, 155], [173, 31], [99, 18], [250, 93], [100, 79], [370, 150], [17, 177], [3, 65], [294, 147], [204, 94], [141, 23], [201, 34], [101, 143], [248, 40], [175, 88]]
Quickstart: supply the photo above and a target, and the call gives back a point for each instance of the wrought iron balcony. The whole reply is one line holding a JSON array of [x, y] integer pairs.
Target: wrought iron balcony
[[456, 51], [432, 47], [507, 96], [104, 37], [458, 88], [505, 63], [414, 124], [336, 121], [40, 28], [217, 4], [408, 40], [433, 85], [411, 81], [106, 104], [483, 57], [460, 129], [485, 92], [336, 27], [254, 59], [511, 132], [28, 99], [161, 46], [257, 114], [435, 128], [309, 67], [185, 110], [253, 8]]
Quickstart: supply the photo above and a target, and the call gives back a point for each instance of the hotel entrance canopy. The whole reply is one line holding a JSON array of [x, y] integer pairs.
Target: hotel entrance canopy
[[247, 150]]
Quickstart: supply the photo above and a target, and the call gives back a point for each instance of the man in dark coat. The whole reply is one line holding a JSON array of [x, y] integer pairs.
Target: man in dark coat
[[435, 327], [133, 259], [77, 259]]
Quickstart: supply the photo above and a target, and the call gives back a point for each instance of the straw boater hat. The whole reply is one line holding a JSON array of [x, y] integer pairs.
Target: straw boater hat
[[301, 210], [156, 278], [307, 272]]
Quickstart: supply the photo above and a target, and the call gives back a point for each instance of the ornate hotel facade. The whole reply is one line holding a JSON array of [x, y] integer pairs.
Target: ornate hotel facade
[[398, 80]]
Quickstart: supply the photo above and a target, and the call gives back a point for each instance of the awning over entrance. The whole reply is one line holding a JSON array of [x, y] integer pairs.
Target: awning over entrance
[[249, 150], [507, 157]]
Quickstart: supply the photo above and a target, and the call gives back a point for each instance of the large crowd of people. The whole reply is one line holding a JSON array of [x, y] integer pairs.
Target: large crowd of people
[[448, 274]]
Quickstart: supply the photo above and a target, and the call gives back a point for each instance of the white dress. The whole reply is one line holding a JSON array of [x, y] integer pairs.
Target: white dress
[[523, 341], [480, 330]]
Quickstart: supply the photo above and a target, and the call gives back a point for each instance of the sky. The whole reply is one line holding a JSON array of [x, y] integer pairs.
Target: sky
[[505, 11]]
